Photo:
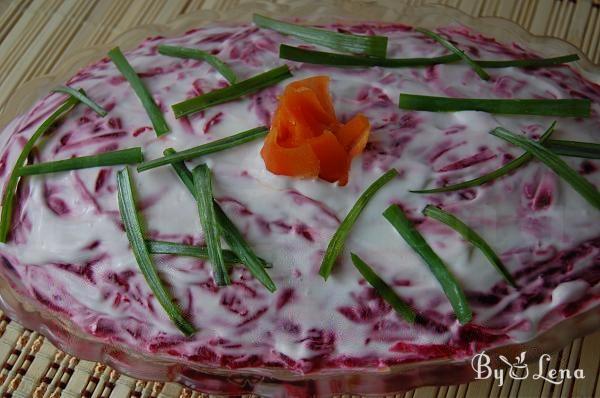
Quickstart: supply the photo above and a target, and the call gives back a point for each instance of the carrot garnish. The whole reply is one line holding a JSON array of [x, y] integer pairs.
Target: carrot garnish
[[307, 140]]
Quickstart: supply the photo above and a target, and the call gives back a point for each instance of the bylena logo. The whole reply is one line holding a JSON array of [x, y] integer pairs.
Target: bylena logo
[[519, 370]]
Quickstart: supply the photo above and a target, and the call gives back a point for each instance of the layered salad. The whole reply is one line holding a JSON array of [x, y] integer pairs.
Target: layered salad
[[280, 195]]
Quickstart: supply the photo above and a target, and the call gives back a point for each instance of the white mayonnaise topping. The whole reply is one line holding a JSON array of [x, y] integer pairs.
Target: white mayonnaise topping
[[289, 221]]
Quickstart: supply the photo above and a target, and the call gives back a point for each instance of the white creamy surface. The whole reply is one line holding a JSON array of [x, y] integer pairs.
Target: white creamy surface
[[274, 213]]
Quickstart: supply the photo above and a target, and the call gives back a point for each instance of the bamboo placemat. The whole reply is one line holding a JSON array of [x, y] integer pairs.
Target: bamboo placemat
[[36, 34]]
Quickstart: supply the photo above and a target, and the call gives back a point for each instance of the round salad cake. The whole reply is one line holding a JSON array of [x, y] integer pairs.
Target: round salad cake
[[278, 199]]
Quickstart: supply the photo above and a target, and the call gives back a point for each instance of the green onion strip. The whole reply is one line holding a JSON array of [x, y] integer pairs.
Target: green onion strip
[[375, 46], [586, 189], [415, 240], [336, 244], [476, 67], [470, 235], [154, 113], [205, 149], [204, 198], [384, 290], [577, 149], [112, 158], [194, 53], [133, 228], [8, 196], [181, 249], [233, 92], [84, 99], [502, 171], [539, 107]]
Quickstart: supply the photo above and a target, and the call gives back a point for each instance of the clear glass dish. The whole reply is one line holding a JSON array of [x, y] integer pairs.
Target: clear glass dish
[[278, 382]]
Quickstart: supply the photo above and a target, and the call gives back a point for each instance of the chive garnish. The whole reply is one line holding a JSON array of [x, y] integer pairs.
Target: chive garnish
[[540, 107], [84, 99], [577, 149], [375, 46], [336, 244], [133, 228], [113, 158], [384, 290], [205, 149], [586, 189], [208, 220], [239, 246], [233, 92], [156, 117], [10, 188], [529, 63], [194, 53], [476, 67], [470, 235], [230, 233], [415, 240], [181, 249], [327, 58], [507, 168]]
